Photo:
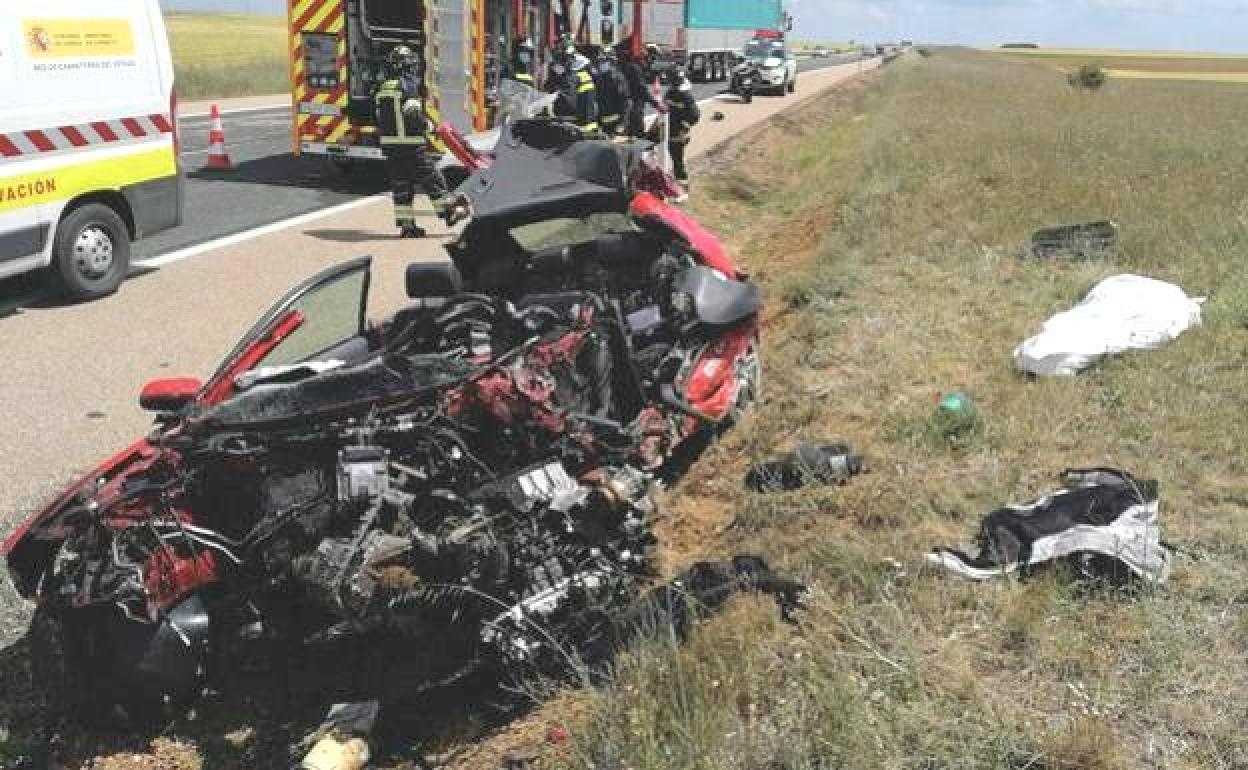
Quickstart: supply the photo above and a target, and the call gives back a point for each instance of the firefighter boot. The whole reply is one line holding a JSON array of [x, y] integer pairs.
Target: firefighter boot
[[451, 208]]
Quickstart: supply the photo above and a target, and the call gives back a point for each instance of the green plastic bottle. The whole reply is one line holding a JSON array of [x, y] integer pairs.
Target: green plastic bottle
[[957, 416]]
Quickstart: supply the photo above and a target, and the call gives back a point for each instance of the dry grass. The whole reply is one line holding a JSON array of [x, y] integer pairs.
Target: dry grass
[[217, 55], [906, 212]]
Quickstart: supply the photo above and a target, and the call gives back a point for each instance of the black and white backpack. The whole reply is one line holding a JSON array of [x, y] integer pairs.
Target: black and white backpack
[[1102, 520]]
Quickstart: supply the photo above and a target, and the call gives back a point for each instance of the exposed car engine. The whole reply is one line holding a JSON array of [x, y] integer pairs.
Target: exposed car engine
[[471, 474]]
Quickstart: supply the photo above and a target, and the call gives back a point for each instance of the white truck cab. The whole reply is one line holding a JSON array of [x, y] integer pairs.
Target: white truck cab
[[88, 147]]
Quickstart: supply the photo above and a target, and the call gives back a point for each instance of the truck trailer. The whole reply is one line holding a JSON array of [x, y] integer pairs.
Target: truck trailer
[[703, 36]]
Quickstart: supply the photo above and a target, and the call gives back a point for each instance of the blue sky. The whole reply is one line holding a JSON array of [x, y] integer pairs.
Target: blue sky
[[1190, 25]]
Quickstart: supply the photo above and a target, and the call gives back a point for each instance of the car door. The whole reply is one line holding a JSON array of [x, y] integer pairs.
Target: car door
[[325, 314]]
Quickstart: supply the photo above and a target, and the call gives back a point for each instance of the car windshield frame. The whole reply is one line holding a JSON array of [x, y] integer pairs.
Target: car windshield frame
[[280, 309]]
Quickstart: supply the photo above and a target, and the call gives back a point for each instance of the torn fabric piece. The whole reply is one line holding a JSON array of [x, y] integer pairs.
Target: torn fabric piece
[[1100, 512]]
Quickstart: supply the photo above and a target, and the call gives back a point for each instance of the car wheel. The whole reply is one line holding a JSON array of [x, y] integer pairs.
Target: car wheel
[[91, 252], [697, 69]]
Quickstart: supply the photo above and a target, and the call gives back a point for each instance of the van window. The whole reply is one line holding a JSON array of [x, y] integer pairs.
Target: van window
[[75, 58], [393, 14]]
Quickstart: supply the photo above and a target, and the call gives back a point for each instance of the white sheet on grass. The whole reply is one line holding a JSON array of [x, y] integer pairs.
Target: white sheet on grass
[[1121, 313]]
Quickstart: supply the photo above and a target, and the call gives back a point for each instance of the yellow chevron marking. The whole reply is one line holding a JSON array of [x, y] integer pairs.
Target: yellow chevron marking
[[321, 15]]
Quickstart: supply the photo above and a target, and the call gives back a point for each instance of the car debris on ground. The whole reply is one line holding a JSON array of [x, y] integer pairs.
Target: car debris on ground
[[807, 465], [342, 741], [1093, 240], [1121, 313], [1103, 521]]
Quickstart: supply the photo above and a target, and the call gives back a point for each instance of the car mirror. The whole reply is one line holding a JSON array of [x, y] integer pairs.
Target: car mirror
[[427, 280], [169, 395]]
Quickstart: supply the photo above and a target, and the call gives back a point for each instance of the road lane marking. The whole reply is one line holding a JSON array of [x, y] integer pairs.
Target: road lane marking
[[255, 232], [239, 111], [282, 224], [13, 304]]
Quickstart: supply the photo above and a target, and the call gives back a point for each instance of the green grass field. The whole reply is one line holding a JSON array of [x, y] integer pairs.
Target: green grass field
[[888, 231], [224, 55], [1145, 65]]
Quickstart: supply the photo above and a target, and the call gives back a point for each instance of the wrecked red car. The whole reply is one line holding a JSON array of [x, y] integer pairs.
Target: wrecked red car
[[471, 473]]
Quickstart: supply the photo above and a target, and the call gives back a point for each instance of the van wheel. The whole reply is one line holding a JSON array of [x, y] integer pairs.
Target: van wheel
[[91, 254]]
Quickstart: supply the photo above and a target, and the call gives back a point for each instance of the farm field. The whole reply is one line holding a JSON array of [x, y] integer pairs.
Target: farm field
[[1147, 65], [219, 55]]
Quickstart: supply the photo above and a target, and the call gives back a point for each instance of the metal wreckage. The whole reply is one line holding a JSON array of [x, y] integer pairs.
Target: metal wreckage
[[471, 474]]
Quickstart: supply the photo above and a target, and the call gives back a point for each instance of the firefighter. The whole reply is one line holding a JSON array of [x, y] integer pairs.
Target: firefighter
[[638, 73], [613, 93], [407, 142], [683, 115], [577, 100], [522, 62], [557, 66]]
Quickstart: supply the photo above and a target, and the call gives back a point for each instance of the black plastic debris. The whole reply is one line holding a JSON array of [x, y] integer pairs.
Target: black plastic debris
[[701, 591], [1092, 240], [808, 464]]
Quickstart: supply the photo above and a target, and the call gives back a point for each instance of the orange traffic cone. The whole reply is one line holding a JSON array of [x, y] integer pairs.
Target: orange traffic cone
[[218, 158]]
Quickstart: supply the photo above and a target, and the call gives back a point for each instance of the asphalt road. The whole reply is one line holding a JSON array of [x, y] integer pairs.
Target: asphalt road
[[71, 373], [269, 183]]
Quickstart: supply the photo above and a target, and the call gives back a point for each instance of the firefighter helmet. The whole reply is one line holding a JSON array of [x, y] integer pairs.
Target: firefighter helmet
[[401, 56]]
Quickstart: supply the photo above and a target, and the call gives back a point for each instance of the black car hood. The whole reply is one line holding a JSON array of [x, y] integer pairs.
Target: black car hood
[[543, 170], [377, 383]]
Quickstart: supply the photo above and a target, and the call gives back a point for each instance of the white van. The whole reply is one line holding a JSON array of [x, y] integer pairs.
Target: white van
[[88, 146]]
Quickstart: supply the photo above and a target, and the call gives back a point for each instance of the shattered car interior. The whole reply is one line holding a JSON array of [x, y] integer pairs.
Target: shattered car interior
[[471, 473]]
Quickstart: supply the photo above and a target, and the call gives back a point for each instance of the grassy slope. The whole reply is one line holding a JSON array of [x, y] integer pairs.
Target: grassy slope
[[223, 55], [906, 213]]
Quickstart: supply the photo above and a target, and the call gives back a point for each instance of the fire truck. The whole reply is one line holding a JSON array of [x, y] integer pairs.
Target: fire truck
[[338, 49]]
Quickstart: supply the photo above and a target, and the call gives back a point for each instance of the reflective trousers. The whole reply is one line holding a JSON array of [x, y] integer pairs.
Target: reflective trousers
[[677, 150], [412, 169]]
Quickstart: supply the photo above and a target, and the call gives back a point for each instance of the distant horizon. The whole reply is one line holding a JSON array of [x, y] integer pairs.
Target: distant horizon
[[1194, 26]]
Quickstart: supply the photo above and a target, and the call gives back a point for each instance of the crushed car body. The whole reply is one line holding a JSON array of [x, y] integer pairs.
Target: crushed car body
[[471, 473]]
